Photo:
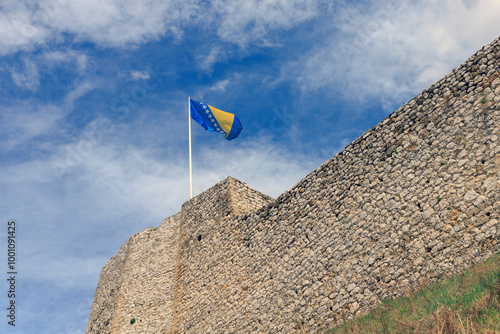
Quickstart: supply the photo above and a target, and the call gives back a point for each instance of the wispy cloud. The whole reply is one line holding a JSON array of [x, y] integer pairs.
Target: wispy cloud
[[27, 71], [138, 75], [121, 23], [391, 51], [220, 86], [79, 90], [27, 75], [18, 29], [31, 125], [267, 167], [65, 57], [250, 22], [108, 22], [214, 56], [22, 123]]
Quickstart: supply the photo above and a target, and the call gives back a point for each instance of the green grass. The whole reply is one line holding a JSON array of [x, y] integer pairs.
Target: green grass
[[467, 303]]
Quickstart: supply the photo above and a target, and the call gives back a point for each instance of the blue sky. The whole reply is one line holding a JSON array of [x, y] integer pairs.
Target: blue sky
[[93, 113]]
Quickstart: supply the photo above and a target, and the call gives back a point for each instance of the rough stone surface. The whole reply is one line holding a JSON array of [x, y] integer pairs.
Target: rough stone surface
[[139, 280], [414, 199]]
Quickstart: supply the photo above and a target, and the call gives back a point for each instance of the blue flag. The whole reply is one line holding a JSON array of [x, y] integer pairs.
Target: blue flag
[[216, 120]]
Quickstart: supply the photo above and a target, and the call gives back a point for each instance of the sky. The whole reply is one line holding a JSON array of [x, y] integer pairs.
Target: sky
[[94, 118]]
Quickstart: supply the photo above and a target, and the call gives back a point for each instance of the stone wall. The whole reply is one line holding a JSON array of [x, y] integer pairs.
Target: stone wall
[[204, 224], [414, 199], [138, 283]]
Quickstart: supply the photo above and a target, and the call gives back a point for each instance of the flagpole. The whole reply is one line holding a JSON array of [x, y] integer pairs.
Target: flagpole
[[190, 159]]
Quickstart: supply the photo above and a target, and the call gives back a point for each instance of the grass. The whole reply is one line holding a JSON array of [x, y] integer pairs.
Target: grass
[[467, 303]]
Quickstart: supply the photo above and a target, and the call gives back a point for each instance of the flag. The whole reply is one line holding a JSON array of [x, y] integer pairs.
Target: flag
[[216, 120]]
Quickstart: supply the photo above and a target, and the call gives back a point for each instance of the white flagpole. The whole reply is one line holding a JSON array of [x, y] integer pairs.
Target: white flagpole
[[190, 159]]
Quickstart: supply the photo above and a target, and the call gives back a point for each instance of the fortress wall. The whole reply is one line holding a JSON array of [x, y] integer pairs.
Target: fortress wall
[[414, 199], [244, 199], [107, 291], [138, 283], [204, 225]]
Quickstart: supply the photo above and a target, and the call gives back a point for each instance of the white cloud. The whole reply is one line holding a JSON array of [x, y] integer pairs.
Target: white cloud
[[220, 86], [244, 22], [127, 22], [262, 165], [119, 22], [33, 126], [144, 183], [233, 82], [17, 28], [216, 55], [107, 22], [138, 75], [390, 52], [67, 57], [28, 76], [80, 89], [22, 123]]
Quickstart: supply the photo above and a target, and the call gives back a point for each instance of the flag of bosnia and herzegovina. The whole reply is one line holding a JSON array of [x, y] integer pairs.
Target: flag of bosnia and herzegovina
[[216, 120]]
